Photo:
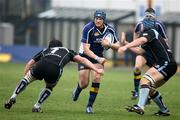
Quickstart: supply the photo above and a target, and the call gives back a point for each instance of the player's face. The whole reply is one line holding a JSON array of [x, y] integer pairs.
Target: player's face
[[148, 16], [98, 22]]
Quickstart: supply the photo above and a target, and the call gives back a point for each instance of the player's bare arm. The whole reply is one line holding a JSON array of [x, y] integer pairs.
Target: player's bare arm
[[88, 52], [85, 61], [137, 50], [29, 66], [137, 42]]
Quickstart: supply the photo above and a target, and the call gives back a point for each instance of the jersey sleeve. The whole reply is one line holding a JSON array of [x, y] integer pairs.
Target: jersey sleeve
[[38, 56], [150, 35], [72, 54], [137, 28], [85, 35], [114, 33], [162, 29]]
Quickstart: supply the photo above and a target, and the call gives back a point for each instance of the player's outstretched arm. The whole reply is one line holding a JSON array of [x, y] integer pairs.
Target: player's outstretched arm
[[135, 43], [29, 65], [85, 61], [137, 50], [88, 52]]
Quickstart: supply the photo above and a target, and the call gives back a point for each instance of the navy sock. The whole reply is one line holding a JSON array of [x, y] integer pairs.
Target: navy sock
[[137, 77], [93, 93]]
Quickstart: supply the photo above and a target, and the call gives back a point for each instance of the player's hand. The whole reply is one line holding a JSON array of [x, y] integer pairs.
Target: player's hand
[[105, 43], [102, 60], [121, 50], [100, 71]]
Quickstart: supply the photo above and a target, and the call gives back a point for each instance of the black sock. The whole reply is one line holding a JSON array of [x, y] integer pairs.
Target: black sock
[[78, 89]]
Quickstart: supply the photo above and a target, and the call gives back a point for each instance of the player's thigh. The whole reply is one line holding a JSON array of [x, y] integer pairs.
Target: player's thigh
[[140, 61], [155, 77], [29, 77], [84, 75], [97, 77]]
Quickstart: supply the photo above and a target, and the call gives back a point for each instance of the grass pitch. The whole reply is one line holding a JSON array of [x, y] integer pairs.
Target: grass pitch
[[113, 96]]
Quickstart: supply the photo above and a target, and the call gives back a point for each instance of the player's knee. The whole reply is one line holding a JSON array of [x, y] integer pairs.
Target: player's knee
[[50, 88], [97, 78], [50, 85], [152, 91], [29, 77], [145, 86], [149, 79], [84, 83], [137, 68]]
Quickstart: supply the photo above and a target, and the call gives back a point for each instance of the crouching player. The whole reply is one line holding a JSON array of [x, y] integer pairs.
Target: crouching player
[[48, 65]]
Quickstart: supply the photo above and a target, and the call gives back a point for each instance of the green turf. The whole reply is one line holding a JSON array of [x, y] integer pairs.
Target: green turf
[[113, 96]]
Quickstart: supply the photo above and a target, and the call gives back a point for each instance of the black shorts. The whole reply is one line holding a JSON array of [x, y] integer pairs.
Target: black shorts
[[149, 58], [47, 71], [166, 69], [82, 66]]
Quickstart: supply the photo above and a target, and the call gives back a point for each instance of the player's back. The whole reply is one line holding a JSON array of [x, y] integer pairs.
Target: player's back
[[159, 46], [160, 27], [59, 56]]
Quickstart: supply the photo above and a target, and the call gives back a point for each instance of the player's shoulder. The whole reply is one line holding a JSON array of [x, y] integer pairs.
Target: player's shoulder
[[89, 25], [110, 28], [64, 48], [159, 22], [138, 24]]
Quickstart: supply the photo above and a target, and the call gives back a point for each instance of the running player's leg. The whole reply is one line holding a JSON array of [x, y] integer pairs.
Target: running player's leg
[[94, 89], [139, 63], [84, 74]]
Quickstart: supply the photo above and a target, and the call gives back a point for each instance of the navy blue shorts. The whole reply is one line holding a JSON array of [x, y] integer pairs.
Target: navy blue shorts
[[82, 66]]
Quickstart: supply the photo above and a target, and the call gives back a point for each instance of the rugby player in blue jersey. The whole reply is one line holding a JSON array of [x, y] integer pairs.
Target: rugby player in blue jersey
[[91, 48]]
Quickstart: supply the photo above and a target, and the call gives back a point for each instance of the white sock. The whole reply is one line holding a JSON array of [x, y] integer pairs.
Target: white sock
[[143, 95]]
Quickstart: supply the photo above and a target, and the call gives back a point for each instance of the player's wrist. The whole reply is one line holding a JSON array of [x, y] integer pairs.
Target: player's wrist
[[97, 58], [110, 44]]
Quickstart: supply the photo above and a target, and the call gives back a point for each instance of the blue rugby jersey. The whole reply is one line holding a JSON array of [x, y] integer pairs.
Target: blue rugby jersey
[[93, 36], [161, 29]]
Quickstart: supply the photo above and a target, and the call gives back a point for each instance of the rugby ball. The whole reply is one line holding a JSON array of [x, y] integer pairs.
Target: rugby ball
[[109, 37]]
